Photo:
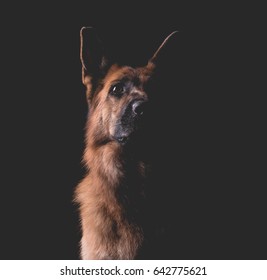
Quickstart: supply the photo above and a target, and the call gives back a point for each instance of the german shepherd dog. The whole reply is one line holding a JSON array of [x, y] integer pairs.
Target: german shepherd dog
[[115, 213]]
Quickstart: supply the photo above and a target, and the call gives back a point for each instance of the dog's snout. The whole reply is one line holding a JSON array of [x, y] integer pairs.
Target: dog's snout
[[138, 107], [129, 124]]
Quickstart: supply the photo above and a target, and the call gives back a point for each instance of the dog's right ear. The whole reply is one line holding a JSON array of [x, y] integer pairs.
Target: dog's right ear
[[164, 50], [92, 55]]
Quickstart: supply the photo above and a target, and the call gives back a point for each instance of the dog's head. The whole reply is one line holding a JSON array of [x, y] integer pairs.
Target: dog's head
[[119, 96]]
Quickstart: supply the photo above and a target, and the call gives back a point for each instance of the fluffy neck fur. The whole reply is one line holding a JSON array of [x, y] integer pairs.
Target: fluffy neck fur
[[111, 200]]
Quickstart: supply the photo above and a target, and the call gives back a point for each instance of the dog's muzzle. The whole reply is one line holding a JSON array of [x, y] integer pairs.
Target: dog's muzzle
[[130, 121]]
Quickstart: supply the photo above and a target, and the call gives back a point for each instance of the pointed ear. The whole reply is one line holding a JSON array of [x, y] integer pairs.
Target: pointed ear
[[162, 51], [91, 54]]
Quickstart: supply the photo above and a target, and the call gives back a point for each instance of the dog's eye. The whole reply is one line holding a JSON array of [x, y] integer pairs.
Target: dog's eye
[[117, 89]]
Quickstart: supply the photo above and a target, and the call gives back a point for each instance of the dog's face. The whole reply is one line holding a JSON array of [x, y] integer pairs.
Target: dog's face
[[119, 96], [125, 100]]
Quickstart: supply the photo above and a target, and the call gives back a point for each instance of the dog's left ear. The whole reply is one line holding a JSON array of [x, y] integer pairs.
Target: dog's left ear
[[92, 55], [162, 51]]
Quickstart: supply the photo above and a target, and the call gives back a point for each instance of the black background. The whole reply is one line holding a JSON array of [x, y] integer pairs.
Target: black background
[[222, 214]]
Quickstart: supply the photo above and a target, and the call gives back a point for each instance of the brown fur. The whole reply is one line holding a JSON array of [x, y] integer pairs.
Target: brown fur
[[106, 232], [111, 196]]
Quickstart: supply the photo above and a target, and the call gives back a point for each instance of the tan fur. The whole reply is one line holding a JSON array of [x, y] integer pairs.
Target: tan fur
[[107, 234]]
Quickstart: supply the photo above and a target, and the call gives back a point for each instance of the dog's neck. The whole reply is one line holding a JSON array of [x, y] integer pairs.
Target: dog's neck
[[118, 184], [111, 195], [112, 164], [104, 162]]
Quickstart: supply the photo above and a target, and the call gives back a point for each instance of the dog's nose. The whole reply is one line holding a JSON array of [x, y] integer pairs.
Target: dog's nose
[[138, 107]]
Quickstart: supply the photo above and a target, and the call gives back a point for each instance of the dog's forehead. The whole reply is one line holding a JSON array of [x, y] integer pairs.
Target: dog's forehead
[[137, 75]]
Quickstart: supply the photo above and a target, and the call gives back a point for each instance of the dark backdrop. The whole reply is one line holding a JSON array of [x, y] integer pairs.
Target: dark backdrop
[[222, 211]]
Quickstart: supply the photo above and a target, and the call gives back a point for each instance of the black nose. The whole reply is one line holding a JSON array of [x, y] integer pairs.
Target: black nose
[[138, 107]]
